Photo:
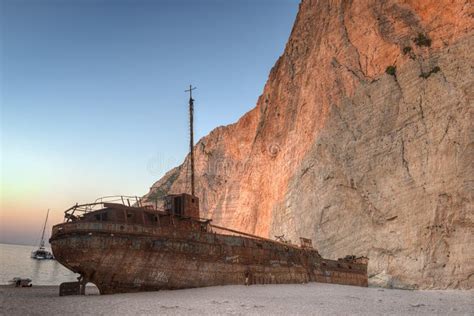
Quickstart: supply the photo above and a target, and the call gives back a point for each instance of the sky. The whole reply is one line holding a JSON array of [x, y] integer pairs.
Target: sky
[[92, 93]]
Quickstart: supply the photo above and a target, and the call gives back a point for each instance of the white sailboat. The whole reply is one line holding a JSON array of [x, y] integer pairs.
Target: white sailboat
[[41, 253]]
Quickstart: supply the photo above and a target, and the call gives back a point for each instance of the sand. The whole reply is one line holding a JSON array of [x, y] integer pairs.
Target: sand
[[285, 299]]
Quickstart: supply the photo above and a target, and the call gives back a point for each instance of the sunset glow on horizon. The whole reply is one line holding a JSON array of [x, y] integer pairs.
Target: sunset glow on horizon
[[92, 93]]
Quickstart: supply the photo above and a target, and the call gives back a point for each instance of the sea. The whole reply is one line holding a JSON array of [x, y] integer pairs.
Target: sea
[[15, 261]]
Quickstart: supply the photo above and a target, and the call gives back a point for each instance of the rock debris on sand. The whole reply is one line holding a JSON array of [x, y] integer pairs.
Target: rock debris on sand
[[284, 299]]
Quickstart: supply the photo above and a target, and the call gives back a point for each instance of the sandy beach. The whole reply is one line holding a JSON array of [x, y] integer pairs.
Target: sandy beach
[[289, 299]]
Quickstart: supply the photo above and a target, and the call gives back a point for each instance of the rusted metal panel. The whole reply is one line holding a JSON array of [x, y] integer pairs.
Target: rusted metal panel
[[69, 288], [184, 205], [306, 243]]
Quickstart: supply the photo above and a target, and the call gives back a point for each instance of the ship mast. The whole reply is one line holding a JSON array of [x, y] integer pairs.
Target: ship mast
[[44, 228], [191, 134]]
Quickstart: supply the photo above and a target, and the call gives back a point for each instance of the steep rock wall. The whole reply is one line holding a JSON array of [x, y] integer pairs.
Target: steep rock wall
[[362, 161]]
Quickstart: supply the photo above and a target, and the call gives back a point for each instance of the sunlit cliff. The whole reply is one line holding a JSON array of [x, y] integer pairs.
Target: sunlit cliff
[[362, 140]]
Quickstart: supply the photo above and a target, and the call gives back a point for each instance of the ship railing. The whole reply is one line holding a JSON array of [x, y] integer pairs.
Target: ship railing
[[127, 200], [239, 233], [81, 209]]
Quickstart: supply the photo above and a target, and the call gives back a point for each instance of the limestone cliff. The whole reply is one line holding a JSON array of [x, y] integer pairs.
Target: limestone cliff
[[361, 140]]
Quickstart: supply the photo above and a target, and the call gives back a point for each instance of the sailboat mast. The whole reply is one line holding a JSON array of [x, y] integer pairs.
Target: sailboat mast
[[191, 134], [44, 228]]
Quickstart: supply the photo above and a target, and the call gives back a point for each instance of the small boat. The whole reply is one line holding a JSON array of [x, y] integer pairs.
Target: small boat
[[21, 282], [41, 253]]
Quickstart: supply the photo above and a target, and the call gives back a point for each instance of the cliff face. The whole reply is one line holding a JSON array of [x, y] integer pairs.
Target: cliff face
[[361, 140]]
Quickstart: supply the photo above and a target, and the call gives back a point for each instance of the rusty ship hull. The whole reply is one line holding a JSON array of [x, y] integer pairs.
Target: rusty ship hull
[[126, 258], [174, 252]]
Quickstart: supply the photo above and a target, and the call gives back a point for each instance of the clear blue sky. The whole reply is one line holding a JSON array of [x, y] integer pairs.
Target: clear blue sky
[[92, 91]]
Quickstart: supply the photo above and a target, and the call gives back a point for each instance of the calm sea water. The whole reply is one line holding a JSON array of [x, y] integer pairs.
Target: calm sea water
[[15, 261]]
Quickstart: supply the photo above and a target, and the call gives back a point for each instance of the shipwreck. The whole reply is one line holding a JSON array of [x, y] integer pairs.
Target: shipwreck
[[123, 245]]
